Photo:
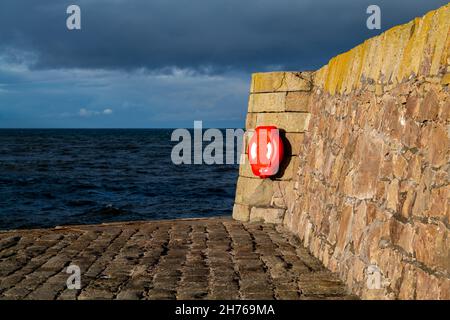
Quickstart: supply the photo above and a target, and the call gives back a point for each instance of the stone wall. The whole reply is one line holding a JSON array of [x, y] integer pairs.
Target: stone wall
[[275, 98], [367, 178]]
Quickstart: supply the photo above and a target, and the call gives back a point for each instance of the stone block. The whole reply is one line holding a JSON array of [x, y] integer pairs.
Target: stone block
[[446, 79], [439, 202], [250, 121], [298, 101], [284, 194], [402, 235], [287, 121], [444, 289], [431, 245], [408, 284], [241, 212], [267, 102], [429, 109], [268, 215], [254, 191], [294, 143], [281, 82], [438, 143], [367, 154], [427, 286]]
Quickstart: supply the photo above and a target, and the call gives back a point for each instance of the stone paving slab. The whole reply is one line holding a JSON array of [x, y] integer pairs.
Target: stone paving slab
[[217, 258]]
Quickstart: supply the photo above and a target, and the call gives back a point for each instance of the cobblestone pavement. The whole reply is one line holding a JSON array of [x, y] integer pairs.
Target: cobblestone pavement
[[176, 259]]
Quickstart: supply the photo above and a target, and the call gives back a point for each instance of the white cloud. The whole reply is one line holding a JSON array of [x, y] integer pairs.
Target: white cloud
[[85, 113], [89, 113]]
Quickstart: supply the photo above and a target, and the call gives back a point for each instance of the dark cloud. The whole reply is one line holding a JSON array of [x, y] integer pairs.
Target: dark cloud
[[202, 35], [166, 63]]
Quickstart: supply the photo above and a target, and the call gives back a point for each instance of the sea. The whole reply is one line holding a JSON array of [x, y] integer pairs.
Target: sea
[[55, 177]]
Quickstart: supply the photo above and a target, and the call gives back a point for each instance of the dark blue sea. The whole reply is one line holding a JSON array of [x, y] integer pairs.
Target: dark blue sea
[[62, 177]]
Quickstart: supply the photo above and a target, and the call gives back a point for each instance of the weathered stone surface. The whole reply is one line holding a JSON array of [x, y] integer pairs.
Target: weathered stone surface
[[403, 235], [241, 212], [427, 286], [250, 122], [431, 246], [268, 215], [392, 196], [429, 109], [371, 187], [438, 142], [295, 142], [288, 121], [280, 81], [409, 283], [367, 157], [446, 79], [267, 102], [298, 101], [215, 258], [439, 202], [418, 47], [254, 191]]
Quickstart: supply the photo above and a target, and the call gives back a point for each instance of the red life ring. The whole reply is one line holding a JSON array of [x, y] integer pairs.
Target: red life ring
[[265, 151]]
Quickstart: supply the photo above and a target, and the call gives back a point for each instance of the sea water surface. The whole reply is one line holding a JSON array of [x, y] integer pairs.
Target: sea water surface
[[84, 176]]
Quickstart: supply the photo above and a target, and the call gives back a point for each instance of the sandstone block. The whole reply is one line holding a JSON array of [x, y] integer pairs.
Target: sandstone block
[[402, 235], [298, 101], [268, 215], [427, 286], [241, 212], [438, 146], [408, 285], [368, 153], [344, 234], [431, 246], [285, 194], [399, 166], [429, 109], [250, 121], [412, 106], [392, 195], [446, 79], [408, 203], [281, 82], [444, 289], [288, 121], [444, 113], [439, 202], [295, 142], [254, 192], [267, 102]]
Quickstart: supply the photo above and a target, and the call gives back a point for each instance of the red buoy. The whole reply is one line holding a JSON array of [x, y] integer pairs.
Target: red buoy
[[265, 151]]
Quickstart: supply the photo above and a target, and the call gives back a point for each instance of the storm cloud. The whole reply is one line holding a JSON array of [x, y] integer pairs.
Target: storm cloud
[[192, 57], [204, 35]]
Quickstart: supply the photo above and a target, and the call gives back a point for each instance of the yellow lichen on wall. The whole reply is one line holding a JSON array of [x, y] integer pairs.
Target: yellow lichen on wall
[[418, 48]]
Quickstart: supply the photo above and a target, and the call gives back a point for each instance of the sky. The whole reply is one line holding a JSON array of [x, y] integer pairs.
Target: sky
[[166, 63]]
